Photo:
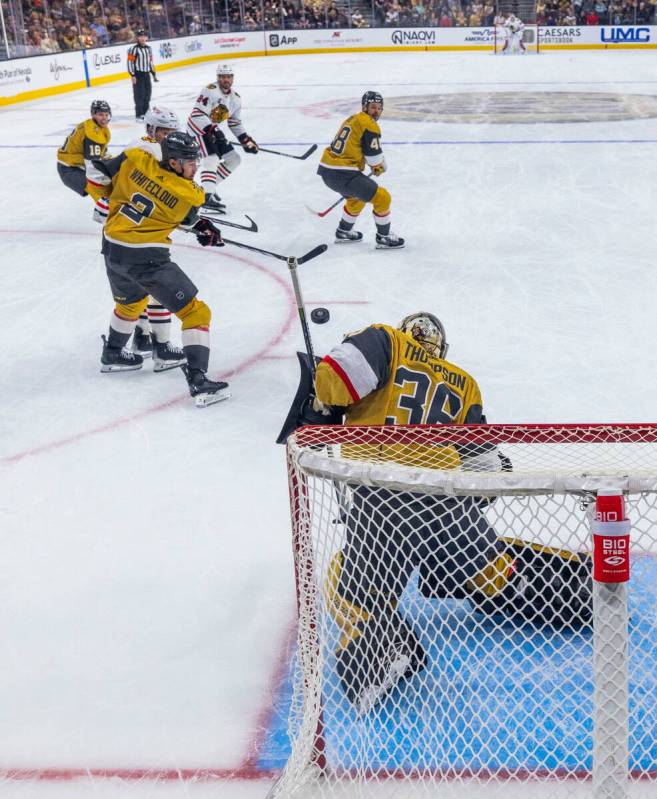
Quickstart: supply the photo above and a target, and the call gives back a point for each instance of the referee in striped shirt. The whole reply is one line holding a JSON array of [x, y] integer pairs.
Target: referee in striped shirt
[[140, 68]]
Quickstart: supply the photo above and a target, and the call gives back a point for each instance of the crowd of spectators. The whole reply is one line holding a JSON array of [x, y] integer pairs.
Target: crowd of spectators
[[49, 26]]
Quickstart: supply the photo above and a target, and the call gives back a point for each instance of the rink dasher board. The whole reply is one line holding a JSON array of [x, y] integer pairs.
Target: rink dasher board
[[33, 77]]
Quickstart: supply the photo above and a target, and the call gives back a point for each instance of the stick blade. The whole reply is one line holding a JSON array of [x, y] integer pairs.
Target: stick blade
[[308, 152], [318, 250]]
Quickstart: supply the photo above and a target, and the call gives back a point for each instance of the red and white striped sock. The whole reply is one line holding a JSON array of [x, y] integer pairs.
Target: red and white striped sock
[[159, 318]]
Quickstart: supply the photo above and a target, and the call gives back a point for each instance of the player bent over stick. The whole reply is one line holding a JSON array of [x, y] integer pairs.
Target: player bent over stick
[[357, 143], [149, 199], [385, 375]]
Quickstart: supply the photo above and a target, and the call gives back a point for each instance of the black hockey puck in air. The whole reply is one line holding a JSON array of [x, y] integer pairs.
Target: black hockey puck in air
[[320, 315]]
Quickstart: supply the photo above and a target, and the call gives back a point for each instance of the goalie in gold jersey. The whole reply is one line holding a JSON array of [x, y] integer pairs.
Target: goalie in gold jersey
[[357, 143], [383, 375], [149, 199], [88, 142]]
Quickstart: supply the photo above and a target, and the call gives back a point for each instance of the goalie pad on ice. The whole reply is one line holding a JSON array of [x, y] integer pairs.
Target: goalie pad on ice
[[376, 649], [535, 583], [383, 654]]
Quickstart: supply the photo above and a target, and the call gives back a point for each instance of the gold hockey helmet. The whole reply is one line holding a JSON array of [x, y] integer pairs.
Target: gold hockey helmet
[[428, 331]]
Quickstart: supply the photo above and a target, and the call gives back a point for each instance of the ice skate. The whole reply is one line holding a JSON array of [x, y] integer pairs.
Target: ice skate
[[119, 359], [389, 242], [141, 343], [213, 203], [205, 391], [347, 236], [166, 356]]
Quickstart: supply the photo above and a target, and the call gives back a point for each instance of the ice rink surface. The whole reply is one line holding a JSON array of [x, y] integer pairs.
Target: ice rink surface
[[147, 590]]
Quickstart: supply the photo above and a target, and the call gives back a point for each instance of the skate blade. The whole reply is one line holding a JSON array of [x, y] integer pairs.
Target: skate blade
[[373, 695], [347, 241], [164, 366], [203, 400], [386, 247], [105, 368]]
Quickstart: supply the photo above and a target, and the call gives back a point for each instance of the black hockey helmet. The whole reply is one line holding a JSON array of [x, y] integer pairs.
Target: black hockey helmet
[[100, 107], [180, 146], [371, 97]]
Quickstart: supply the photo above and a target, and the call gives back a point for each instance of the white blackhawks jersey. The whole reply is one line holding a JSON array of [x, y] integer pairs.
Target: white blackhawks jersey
[[514, 25], [148, 145], [212, 108]]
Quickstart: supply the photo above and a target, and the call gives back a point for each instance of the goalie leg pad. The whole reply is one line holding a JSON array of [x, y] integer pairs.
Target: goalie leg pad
[[376, 650], [383, 653], [540, 584]]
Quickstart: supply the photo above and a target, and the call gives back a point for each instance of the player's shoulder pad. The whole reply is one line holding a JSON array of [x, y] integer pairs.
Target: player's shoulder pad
[[375, 345]]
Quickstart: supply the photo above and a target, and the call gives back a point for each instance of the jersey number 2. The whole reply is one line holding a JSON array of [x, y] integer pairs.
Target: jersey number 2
[[139, 208], [424, 406], [339, 143]]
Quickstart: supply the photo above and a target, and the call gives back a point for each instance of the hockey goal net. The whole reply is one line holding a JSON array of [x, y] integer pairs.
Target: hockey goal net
[[452, 640], [505, 44]]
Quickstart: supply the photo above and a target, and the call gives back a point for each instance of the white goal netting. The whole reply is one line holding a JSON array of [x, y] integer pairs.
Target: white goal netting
[[452, 641]]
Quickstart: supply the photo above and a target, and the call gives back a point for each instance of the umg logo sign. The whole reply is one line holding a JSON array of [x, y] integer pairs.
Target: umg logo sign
[[618, 35], [414, 36]]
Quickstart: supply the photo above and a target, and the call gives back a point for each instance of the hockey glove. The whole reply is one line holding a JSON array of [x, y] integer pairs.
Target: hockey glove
[[379, 169], [248, 143], [215, 140], [207, 234]]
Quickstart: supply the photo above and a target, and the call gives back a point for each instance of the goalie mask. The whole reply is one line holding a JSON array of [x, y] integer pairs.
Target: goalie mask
[[428, 331]]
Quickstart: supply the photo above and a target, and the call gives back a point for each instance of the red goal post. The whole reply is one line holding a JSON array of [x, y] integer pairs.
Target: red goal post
[[491, 694]]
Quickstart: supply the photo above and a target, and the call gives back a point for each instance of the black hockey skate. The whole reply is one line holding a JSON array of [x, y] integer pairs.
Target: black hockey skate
[[389, 242], [166, 356], [119, 359], [386, 653], [205, 391], [212, 202], [141, 343], [347, 236]]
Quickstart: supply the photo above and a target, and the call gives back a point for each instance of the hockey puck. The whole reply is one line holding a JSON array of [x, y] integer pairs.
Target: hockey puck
[[320, 315]]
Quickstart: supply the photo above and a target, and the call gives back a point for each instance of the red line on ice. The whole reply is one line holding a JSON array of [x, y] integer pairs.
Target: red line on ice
[[112, 425]]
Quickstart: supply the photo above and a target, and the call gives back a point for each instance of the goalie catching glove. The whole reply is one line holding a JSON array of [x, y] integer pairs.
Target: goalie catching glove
[[207, 234], [248, 143]]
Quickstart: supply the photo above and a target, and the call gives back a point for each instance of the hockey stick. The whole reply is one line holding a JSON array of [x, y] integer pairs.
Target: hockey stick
[[328, 210], [318, 250], [293, 263], [322, 214], [303, 157], [219, 220]]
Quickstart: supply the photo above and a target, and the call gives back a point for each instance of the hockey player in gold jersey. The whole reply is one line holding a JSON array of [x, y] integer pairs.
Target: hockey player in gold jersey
[[153, 330], [383, 375], [88, 142], [149, 199], [355, 145]]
